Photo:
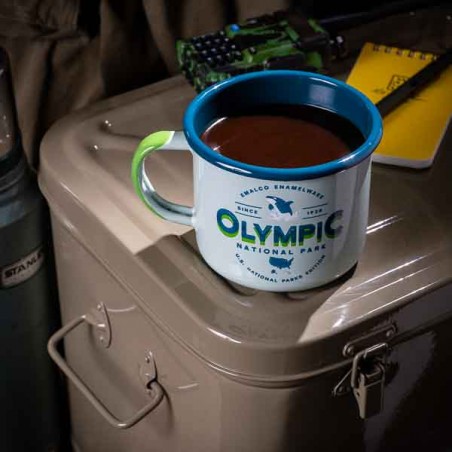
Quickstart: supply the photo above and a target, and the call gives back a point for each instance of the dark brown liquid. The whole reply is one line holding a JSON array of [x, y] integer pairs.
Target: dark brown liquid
[[283, 136]]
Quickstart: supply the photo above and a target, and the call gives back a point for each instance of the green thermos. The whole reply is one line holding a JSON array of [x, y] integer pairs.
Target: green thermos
[[31, 393]]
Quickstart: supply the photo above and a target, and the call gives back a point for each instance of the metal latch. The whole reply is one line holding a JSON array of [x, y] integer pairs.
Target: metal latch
[[368, 378]]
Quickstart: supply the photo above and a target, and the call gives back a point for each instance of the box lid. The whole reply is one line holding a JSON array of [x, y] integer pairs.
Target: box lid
[[267, 337]]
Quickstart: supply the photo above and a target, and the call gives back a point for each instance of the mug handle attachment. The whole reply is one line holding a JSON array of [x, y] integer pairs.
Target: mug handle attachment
[[165, 141]]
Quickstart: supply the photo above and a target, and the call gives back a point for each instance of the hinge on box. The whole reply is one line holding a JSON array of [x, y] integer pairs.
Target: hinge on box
[[366, 379], [99, 319], [148, 370]]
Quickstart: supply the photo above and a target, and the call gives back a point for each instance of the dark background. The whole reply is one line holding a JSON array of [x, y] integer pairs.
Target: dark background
[[67, 54]]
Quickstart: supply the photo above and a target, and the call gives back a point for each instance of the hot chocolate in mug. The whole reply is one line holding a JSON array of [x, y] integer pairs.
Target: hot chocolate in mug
[[275, 229]]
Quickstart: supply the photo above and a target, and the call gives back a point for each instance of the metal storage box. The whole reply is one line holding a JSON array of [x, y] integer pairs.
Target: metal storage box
[[359, 365]]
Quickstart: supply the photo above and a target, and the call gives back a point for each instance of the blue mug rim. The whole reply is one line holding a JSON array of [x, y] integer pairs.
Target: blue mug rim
[[269, 173]]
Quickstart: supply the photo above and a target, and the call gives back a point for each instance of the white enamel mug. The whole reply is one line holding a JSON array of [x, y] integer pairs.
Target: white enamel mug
[[266, 228]]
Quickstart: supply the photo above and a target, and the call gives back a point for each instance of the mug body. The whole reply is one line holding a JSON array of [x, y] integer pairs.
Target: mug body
[[280, 235], [281, 229]]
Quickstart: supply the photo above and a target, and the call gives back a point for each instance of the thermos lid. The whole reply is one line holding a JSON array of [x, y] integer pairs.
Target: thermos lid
[[10, 143]]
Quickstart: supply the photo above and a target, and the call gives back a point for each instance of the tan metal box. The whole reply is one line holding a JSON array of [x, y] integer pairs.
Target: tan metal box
[[359, 365]]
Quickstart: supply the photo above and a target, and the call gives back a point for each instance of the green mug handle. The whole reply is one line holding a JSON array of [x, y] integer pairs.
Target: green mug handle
[[166, 141]]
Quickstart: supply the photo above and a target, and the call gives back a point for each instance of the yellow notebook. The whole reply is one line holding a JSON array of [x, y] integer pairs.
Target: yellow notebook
[[413, 131]]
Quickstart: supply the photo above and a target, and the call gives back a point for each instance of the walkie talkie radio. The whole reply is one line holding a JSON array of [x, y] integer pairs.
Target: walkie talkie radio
[[281, 40]]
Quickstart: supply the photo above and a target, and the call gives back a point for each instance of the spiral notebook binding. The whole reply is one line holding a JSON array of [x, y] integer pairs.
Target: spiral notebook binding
[[404, 52]]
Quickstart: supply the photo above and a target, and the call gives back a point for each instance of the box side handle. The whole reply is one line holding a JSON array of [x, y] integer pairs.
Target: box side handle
[[153, 386]]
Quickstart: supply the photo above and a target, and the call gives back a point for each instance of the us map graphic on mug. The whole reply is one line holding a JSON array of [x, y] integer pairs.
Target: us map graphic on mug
[[288, 223]]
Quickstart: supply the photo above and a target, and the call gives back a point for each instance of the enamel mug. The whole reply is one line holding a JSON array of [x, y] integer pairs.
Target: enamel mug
[[272, 229]]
